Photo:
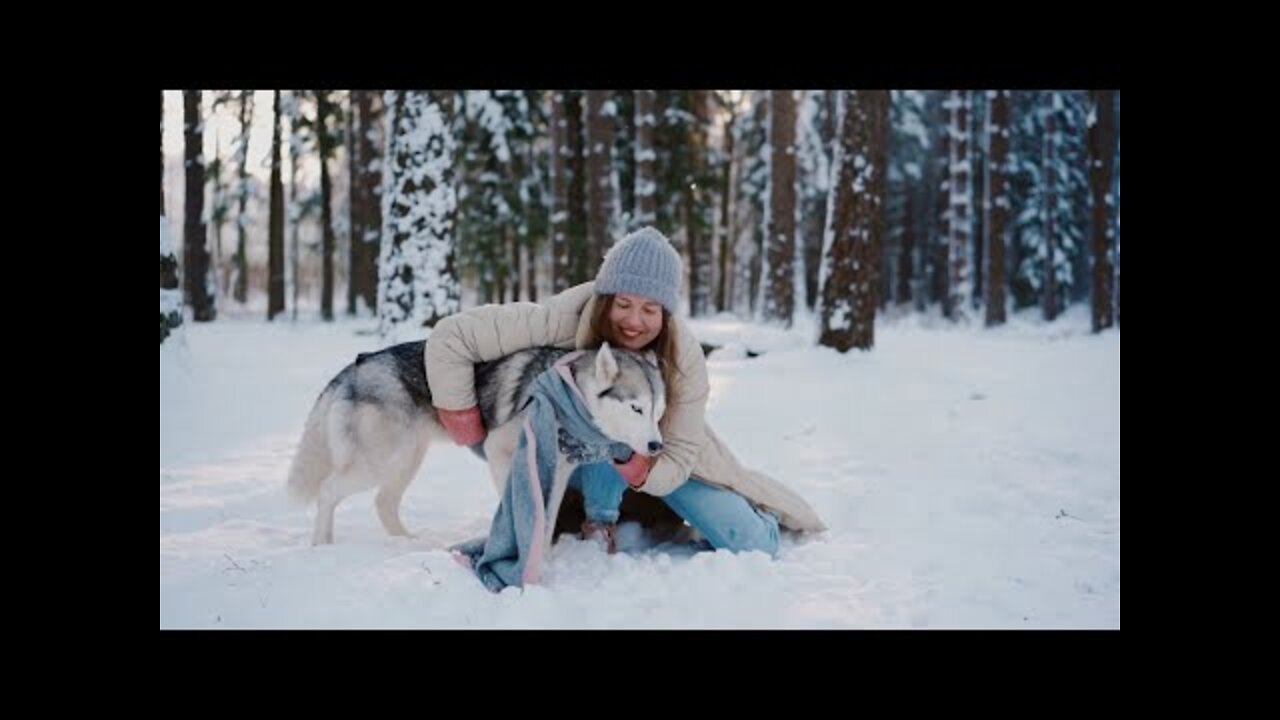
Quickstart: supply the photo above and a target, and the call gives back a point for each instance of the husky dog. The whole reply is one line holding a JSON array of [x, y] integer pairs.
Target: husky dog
[[373, 423]]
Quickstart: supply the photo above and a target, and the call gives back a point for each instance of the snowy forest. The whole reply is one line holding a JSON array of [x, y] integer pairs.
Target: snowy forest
[[408, 205], [966, 463]]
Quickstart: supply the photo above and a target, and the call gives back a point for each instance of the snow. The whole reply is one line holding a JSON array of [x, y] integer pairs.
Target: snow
[[969, 478]]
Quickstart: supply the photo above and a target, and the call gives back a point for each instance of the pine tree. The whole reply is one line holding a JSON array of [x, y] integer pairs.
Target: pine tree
[[907, 192], [1050, 198], [848, 295], [959, 260], [418, 278]]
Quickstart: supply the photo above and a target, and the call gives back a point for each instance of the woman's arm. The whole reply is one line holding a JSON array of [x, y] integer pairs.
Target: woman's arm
[[489, 332]]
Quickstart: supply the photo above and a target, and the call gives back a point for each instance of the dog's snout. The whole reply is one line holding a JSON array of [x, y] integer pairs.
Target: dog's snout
[[654, 446]]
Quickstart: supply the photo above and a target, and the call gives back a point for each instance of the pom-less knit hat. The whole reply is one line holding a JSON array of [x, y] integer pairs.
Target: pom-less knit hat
[[642, 263]]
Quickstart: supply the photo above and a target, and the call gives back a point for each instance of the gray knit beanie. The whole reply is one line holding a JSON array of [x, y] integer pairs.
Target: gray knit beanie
[[642, 263]]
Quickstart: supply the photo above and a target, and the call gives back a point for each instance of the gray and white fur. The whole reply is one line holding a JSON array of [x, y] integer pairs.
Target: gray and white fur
[[372, 424]]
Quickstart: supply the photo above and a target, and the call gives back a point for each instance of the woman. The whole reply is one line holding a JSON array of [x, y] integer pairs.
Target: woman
[[631, 304]]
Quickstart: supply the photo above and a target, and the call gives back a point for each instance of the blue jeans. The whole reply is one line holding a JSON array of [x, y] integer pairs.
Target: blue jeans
[[724, 517]]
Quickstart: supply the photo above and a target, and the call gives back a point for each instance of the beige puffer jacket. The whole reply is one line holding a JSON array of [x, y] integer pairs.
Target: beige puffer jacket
[[489, 332]]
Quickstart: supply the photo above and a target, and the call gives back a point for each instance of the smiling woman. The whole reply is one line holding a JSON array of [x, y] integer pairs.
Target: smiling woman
[[632, 303], [636, 320]]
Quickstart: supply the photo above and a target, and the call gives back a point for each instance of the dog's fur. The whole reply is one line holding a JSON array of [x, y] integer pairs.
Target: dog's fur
[[373, 423]]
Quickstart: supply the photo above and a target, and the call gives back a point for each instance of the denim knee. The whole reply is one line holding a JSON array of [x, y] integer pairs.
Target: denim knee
[[725, 518]]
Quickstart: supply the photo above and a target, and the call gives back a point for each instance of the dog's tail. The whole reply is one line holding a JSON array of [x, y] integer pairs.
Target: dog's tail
[[312, 462]]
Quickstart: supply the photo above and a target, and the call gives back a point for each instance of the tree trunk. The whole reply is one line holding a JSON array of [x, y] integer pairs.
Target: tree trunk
[[848, 294], [1101, 160], [646, 182], [559, 194], [275, 233], [877, 106], [1117, 233], [295, 213], [1049, 170], [697, 239], [939, 246], [325, 144], [354, 201], [958, 261], [366, 204], [780, 240], [727, 233], [998, 206], [906, 253], [195, 249], [978, 194], [600, 200], [241, 290], [578, 250]]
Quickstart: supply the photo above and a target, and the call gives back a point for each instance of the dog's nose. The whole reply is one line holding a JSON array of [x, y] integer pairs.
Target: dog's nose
[[654, 447]]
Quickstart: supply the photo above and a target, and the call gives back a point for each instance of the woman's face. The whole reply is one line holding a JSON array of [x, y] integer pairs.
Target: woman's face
[[636, 320]]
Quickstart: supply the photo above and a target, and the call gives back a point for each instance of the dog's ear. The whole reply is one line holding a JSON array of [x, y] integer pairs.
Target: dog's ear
[[651, 357], [606, 365]]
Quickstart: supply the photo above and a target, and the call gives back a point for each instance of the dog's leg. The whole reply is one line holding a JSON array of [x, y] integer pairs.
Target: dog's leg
[[326, 504], [388, 504], [500, 449], [390, 493], [337, 483]]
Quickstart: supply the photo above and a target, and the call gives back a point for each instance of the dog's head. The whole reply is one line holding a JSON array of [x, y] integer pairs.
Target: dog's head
[[625, 395]]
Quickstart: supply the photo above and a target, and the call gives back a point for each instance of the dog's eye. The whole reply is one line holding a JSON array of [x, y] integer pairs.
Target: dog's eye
[[637, 409]]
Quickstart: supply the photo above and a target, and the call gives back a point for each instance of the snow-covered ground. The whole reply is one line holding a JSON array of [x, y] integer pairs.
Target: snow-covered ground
[[969, 477]]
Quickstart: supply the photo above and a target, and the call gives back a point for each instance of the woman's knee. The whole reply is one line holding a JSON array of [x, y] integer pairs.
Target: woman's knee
[[759, 532], [725, 518]]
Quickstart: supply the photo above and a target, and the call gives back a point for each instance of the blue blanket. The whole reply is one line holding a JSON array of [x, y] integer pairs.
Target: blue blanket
[[520, 535]]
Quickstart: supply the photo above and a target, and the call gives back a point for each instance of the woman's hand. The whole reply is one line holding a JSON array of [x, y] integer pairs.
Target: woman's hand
[[466, 427], [636, 470]]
